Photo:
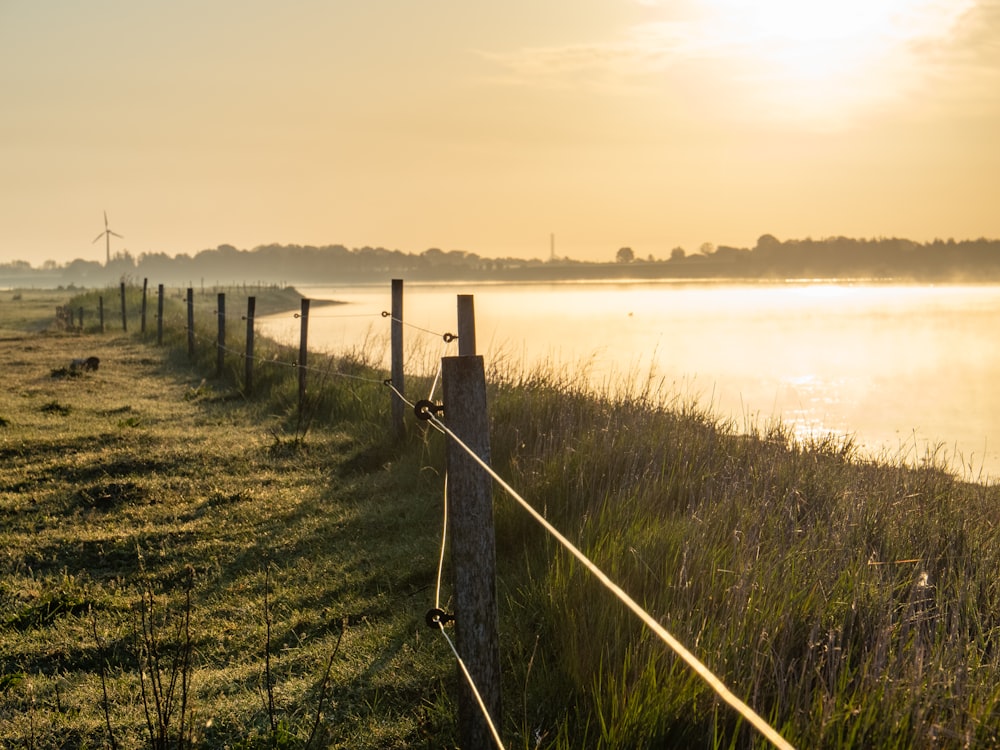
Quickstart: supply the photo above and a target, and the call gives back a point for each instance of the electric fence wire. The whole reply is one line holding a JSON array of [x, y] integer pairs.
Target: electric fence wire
[[313, 316], [448, 337], [292, 365], [692, 661], [475, 692], [444, 537]]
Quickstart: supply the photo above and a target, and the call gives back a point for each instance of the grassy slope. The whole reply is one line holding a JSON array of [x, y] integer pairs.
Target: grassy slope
[[131, 478], [851, 604]]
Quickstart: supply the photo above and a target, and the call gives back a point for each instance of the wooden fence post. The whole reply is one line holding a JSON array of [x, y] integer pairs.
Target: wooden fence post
[[159, 315], [190, 325], [396, 336], [466, 325], [220, 345], [473, 546], [303, 351], [100, 310], [248, 374], [124, 316], [142, 319], [80, 311]]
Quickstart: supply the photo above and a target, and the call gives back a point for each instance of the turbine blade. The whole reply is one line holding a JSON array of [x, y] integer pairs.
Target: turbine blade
[[97, 237], [105, 219], [115, 234]]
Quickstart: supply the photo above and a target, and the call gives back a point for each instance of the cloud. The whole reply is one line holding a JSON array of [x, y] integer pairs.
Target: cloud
[[577, 64], [821, 59]]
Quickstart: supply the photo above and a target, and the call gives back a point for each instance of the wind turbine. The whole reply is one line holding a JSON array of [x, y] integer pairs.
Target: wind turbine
[[106, 234]]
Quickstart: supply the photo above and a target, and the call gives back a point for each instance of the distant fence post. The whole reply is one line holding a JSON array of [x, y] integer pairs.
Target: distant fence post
[[466, 325], [100, 310], [473, 546], [190, 325], [248, 375], [396, 335], [220, 345], [142, 319], [159, 315], [303, 351], [124, 316], [80, 311]]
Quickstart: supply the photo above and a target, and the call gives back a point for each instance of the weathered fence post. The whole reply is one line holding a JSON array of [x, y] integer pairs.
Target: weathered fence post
[[220, 346], [80, 311], [124, 316], [473, 546], [100, 310], [248, 374], [159, 315], [190, 325], [466, 325], [396, 336], [142, 318], [303, 352]]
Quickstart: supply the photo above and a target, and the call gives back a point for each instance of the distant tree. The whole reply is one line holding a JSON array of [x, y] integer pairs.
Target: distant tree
[[767, 242], [677, 253], [624, 255]]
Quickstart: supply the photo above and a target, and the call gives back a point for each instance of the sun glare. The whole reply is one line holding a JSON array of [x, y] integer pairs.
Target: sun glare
[[820, 57]]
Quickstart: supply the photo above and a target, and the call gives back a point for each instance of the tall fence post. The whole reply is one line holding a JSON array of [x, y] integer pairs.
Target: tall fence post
[[100, 310], [80, 313], [220, 344], [190, 325], [466, 325], [142, 319], [248, 374], [124, 316], [159, 315], [303, 352], [473, 546], [396, 336]]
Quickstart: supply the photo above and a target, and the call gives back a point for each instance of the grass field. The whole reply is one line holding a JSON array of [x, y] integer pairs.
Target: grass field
[[186, 564]]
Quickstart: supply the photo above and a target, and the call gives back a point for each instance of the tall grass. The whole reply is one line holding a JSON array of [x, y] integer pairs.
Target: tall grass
[[852, 603]]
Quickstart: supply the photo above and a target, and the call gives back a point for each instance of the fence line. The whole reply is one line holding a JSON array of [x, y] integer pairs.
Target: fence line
[[436, 423]]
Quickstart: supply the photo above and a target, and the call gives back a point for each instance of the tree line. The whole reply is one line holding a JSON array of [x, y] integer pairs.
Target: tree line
[[769, 258]]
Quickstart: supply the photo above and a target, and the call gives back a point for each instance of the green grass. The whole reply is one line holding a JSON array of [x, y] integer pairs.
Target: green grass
[[851, 602]]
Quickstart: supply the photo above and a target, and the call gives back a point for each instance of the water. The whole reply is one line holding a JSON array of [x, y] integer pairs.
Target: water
[[908, 371]]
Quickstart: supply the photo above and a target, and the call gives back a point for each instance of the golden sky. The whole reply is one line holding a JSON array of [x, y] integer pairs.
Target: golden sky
[[487, 126]]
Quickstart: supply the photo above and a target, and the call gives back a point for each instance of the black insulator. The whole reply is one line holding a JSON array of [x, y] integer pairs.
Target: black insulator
[[437, 618]]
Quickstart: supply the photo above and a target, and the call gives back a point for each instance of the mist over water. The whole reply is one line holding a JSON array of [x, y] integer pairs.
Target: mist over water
[[909, 371]]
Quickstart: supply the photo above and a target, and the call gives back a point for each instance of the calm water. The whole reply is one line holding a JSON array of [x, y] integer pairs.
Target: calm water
[[906, 370]]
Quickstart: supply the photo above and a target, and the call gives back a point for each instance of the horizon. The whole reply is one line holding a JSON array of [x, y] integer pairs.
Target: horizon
[[625, 123]]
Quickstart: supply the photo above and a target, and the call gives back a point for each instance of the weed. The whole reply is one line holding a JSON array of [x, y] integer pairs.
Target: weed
[[54, 407], [165, 667]]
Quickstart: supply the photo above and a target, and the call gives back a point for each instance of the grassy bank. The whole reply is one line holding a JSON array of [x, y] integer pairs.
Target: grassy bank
[[161, 523]]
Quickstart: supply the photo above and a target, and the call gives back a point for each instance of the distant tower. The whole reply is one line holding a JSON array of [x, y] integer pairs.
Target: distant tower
[[552, 248]]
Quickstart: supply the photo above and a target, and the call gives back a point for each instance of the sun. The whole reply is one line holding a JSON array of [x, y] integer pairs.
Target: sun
[[825, 57]]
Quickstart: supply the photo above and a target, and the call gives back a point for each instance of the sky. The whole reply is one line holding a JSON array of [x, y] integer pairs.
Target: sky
[[490, 127]]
